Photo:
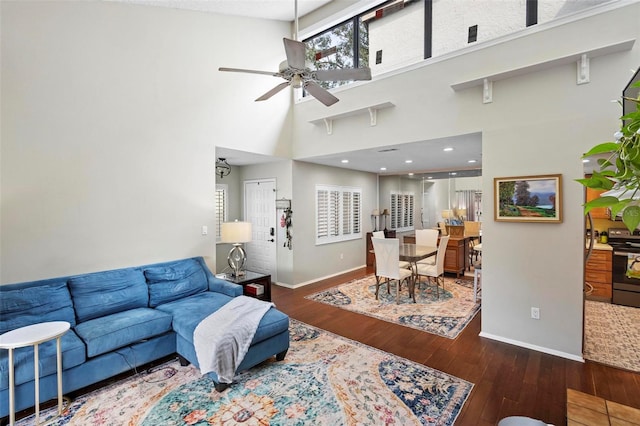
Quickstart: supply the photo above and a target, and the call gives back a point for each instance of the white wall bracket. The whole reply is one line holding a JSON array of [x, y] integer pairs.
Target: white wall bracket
[[583, 70], [372, 110], [373, 116], [487, 91], [328, 122]]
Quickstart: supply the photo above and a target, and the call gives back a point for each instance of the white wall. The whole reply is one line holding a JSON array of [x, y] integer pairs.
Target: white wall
[[539, 122], [110, 117], [311, 261]]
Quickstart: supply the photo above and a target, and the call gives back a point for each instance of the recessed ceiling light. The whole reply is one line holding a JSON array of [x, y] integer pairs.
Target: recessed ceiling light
[[410, 174], [586, 160], [345, 161], [408, 161], [453, 173], [448, 149], [471, 161], [383, 168], [430, 177]]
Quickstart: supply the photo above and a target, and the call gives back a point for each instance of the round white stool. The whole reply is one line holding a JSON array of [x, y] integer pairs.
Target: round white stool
[[33, 335], [520, 421]]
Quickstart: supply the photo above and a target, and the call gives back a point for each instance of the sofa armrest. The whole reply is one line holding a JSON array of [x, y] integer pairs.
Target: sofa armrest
[[222, 286]]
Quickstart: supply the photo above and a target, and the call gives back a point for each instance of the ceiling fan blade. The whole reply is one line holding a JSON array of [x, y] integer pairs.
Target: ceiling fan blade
[[271, 73], [273, 91], [343, 74], [320, 93], [295, 51]]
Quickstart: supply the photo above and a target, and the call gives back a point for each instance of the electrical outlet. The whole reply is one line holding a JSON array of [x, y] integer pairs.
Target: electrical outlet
[[535, 313]]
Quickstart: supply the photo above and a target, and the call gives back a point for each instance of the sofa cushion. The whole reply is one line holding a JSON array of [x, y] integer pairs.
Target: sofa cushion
[[175, 281], [187, 314], [73, 353], [114, 331], [31, 305], [103, 293]]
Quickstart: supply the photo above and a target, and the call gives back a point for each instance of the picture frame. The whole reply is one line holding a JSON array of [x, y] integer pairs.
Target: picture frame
[[528, 198]]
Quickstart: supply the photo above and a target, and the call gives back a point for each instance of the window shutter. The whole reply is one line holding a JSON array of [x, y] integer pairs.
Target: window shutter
[[338, 214], [402, 206], [221, 208]]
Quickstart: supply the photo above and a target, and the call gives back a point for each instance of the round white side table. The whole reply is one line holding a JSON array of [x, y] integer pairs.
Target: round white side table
[[33, 335]]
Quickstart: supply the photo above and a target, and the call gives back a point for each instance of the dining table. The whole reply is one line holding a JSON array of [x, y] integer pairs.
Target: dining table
[[413, 253]]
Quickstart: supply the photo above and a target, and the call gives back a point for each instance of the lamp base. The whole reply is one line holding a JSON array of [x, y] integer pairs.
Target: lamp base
[[236, 259]]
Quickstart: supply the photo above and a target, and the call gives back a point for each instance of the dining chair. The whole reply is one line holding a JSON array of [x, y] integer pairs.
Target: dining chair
[[380, 234], [436, 270], [387, 251], [477, 280], [427, 237]]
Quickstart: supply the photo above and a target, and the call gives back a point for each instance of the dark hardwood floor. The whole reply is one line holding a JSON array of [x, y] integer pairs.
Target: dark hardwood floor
[[509, 380]]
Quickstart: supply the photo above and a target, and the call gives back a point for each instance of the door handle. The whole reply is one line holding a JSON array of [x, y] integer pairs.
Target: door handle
[[271, 240]]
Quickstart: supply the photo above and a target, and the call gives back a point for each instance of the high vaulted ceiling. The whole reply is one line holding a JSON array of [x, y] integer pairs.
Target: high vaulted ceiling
[[428, 158]]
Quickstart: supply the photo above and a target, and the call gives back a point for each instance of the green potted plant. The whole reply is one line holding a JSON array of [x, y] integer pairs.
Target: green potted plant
[[619, 170]]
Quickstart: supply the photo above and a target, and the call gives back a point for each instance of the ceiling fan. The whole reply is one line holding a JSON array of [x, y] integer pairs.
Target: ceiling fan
[[296, 73]]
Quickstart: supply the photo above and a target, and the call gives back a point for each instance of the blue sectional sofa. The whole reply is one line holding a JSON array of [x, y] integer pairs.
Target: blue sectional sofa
[[120, 319]]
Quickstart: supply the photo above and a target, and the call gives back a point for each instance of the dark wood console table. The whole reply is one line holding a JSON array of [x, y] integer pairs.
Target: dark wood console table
[[456, 257], [251, 277]]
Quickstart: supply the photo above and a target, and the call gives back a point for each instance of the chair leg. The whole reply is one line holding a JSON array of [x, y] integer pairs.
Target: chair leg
[[377, 286], [412, 288]]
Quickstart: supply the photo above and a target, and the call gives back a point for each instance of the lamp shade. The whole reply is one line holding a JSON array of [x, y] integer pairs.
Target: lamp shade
[[447, 214], [235, 232], [385, 212]]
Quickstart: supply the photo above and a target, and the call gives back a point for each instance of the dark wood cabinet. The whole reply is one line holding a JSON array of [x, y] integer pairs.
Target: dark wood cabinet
[[371, 258], [598, 273], [456, 259]]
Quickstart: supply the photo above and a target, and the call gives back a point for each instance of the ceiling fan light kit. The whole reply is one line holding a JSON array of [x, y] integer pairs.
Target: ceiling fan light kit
[[298, 75]]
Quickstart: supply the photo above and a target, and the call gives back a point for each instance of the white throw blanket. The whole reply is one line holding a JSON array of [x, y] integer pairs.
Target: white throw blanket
[[222, 339]]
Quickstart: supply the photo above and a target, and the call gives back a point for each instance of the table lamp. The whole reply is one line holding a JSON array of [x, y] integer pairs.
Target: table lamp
[[447, 215], [236, 233]]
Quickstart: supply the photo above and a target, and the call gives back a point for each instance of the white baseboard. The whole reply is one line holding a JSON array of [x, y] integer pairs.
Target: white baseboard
[[315, 280], [532, 347]]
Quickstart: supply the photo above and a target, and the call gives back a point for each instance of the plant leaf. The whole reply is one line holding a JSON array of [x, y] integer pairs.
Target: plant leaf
[[616, 208], [631, 217], [602, 148], [600, 202]]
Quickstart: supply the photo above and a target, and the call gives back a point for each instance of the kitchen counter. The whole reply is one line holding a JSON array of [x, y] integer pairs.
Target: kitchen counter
[[600, 246]]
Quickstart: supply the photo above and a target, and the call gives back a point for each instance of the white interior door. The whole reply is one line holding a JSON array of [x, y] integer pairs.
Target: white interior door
[[260, 210]]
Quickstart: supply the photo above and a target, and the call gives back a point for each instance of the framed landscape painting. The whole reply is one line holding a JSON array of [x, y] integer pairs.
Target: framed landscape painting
[[528, 199]]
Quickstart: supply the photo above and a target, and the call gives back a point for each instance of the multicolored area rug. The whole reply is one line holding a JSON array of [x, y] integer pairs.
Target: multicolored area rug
[[446, 316], [612, 335], [324, 380]]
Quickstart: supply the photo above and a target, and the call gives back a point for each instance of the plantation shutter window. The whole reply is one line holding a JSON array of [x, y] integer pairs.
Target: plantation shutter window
[[402, 207], [221, 207], [337, 213]]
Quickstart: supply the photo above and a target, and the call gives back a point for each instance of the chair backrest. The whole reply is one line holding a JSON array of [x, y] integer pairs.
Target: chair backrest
[[472, 229], [387, 251], [443, 228], [442, 250], [377, 234], [427, 237]]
